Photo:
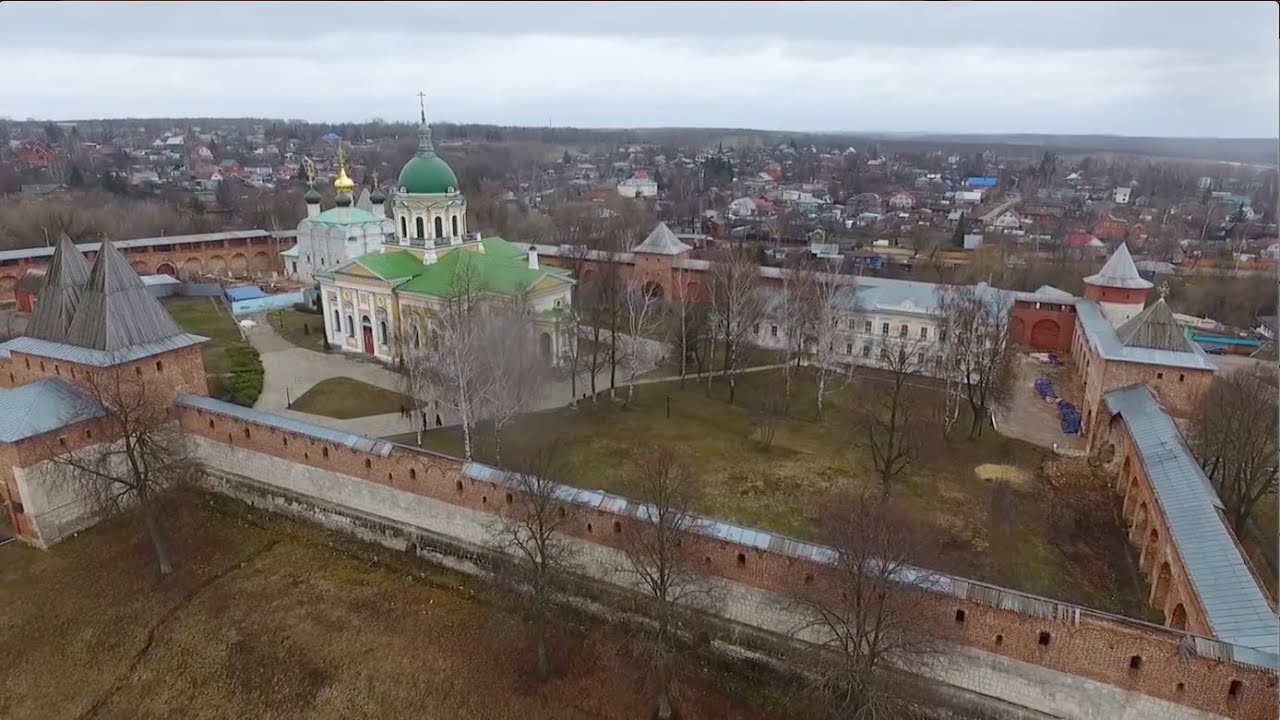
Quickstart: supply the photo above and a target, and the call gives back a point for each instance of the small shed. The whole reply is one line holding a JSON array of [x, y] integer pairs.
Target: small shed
[[160, 286]]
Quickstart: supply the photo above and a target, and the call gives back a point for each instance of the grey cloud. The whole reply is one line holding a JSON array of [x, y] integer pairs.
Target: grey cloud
[[1133, 68]]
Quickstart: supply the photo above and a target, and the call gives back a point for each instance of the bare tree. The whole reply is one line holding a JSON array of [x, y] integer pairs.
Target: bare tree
[[736, 307], [793, 309], [641, 310], [571, 353], [663, 570], [973, 326], [533, 533], [587, 301], [692, 329], [862, 623], [832, 303], [1234, 435], [886, 416], [454, 371], [143, 454], [514, 375], [609, 303]]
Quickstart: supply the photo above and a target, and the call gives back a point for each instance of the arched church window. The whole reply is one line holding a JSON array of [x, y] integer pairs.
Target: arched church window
[[417, 342], [404, 227], [382, 331], [337, 320], [455, 226], [351, 327], [421, 228], [439, 226]]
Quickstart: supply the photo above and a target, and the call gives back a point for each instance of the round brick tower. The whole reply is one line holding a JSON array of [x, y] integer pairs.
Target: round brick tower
[[1118, 289]]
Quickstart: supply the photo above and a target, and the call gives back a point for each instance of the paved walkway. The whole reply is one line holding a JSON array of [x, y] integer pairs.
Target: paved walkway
[[289, 371]]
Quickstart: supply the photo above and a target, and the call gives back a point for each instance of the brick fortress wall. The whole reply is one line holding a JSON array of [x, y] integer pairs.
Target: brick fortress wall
[[187, 257], [1130, 655]]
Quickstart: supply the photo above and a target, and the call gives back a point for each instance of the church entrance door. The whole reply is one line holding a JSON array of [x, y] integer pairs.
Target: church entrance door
[[368, 334]]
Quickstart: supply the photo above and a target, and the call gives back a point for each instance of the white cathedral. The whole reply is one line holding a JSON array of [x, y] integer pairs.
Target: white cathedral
[[383, 281]]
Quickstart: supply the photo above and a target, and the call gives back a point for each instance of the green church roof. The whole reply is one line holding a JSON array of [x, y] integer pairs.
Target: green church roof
[[426, 173], [345, 216], [503, 268], [389, 266]]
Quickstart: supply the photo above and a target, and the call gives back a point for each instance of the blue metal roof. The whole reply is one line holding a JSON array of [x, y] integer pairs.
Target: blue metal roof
[[245, 292], [97, 358], [1102, 336], [280, 422], [42, 406], [1233, 603], [983, 182]]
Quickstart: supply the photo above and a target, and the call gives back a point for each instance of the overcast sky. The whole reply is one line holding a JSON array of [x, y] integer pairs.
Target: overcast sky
[[1196, 69]]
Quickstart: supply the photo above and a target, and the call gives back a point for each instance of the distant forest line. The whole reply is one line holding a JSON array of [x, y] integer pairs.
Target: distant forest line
[[1255, 151]]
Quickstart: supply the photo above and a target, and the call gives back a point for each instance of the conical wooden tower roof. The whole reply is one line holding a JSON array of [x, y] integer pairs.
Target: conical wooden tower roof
[[115, 311], [59, 295]]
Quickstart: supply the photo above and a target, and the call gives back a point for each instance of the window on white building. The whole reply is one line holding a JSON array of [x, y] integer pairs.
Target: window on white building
[[851, 325], [924, 333], [422, 228], [884, 354], [866, 351], [884, 329], [455, 226], [382, 331], [773, 331], [439, 227], [866, 327], [903, 330], [848, 348], [755, 329], [920, 359], [337, 321], [404, 227], [351, 327]]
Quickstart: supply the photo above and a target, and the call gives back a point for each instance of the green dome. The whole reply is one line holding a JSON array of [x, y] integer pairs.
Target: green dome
[[427, 173]]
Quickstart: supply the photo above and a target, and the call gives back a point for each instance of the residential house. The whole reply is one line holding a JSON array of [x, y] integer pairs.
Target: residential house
[[36, 153], [1008, 220], [1110, 227], [1121, 195], [638, 186], [902, 201]]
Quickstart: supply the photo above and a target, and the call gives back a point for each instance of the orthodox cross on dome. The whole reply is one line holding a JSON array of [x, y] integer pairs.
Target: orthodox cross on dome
[[422, 106]]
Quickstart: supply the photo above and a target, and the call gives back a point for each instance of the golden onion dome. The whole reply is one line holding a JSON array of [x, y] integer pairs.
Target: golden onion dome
[[343, 184]]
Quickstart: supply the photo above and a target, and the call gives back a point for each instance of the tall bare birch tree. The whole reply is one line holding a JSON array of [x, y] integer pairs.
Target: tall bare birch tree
[[454, 372], [737, 307], [973, 324]]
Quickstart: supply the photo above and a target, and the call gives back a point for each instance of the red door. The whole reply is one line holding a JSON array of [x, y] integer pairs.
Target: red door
[[368, 340]]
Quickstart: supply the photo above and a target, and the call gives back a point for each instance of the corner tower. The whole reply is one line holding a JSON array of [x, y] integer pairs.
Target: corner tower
[[1119, 290]]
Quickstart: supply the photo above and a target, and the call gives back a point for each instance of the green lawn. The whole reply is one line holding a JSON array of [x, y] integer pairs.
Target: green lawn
[[345, 398], [306, 330], [1001, 531], [232, 368], [204, 316]]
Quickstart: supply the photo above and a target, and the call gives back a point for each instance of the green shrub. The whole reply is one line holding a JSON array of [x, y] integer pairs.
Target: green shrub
[[244, 383]]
